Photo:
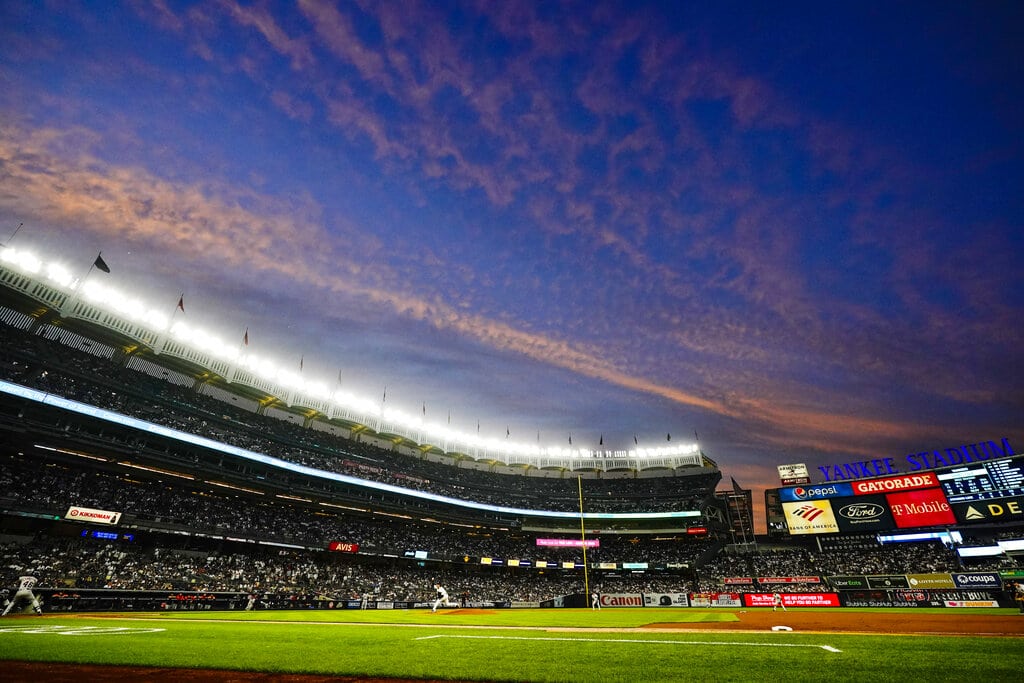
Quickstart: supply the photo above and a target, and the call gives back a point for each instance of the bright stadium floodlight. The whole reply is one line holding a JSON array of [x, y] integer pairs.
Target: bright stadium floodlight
[[59, 275], [156, 320], [94, 291], [318, 390], [128, 307], [291, 380], [25, 261]]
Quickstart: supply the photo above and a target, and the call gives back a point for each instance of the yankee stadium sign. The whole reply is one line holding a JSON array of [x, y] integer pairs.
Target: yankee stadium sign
[[916, 462]]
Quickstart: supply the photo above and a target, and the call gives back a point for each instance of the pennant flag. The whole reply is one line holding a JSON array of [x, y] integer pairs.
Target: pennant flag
[[101, 264], [538, 436], [302, 360], [245, 337], [478, 426], [635, 442], [570, 438], [736, 487], [449, 416], [339, 375], [601, 442], [181, 302], [424, 409], [668, 437], [695, 437], [385, 397], [507, 432]]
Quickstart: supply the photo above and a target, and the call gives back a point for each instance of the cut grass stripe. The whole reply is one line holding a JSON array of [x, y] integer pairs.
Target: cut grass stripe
[[828, 648]]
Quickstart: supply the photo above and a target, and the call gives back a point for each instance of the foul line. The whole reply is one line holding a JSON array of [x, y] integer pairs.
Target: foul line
[[828, 648]]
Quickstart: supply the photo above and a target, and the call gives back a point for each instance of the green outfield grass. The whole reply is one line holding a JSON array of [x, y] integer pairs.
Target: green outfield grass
[[516, 645]]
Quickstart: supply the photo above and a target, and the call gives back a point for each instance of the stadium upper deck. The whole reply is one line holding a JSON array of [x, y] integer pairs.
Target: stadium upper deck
[[116, 412], [88, 316]]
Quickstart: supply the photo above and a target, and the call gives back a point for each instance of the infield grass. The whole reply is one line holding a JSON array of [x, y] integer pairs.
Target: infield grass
[[513, 645]]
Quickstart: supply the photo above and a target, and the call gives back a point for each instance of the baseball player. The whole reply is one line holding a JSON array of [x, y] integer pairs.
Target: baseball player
[[442, 597], [595, 600], [777, 602], [1020, 596], [24, 594]]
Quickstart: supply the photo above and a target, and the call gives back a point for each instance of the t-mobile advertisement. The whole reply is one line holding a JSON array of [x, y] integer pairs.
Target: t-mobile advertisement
[[924, 507], [793, 599]]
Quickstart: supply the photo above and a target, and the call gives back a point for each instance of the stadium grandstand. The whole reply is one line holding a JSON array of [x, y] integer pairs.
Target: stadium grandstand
[[140, 471]]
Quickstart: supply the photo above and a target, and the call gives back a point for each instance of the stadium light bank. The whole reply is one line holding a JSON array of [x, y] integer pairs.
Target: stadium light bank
[[269, 372]]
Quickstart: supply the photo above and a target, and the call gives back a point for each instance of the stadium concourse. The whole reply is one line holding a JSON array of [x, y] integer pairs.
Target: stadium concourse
[[99, 498]]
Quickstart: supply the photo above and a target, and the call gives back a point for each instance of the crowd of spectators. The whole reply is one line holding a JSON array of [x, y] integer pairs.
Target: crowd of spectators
[[31, 485], [79, 564]]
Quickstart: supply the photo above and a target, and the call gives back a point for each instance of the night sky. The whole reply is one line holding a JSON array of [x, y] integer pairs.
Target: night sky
[[793, 229]]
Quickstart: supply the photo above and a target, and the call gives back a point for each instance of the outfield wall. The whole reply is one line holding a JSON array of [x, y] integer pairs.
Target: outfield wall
[[111, 600]]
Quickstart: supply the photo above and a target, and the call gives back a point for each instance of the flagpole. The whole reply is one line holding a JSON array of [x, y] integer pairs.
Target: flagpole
[[69, 304], [583, 540], [12, 235]]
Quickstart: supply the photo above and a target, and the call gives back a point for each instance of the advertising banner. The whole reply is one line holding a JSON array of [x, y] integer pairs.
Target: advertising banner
[[810, 517], [715, 600], [847, 582], [904, 482], [990, 511], [343, 547], [923, 507], [888, 582], [622, 600], [978, 580], [927, 581], [863, 514], [972, 603], [789, 579], [92, 516], [666, 600], [877, 598], [793, 599], [797, 493], [568, 542], [738, 581], [796, 473]]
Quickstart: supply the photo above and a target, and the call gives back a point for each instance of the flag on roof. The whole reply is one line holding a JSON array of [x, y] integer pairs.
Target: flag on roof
[[181, 302], [245, 337], [100, 263]]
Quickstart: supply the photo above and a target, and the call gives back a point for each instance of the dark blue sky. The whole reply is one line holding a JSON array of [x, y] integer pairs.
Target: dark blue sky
[[795, 229]]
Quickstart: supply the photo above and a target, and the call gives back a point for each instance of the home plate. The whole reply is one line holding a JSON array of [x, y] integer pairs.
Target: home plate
[[781, 628]]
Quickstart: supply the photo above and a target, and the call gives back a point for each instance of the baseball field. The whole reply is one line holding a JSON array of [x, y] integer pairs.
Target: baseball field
[[634, 645]]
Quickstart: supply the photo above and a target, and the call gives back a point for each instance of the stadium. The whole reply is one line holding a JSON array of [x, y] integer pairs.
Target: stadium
[[145, 475]]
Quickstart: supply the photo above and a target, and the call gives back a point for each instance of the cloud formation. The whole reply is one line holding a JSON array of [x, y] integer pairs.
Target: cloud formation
[[588, 190]]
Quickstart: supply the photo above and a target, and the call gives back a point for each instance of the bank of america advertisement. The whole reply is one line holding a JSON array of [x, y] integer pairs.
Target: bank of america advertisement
[[811, 517]]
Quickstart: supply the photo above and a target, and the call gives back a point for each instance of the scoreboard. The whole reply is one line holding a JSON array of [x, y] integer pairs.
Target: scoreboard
[[984, 481], [981, 492]]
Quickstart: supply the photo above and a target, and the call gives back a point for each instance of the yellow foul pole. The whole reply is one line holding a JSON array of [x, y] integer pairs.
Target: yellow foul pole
[[583, 539]]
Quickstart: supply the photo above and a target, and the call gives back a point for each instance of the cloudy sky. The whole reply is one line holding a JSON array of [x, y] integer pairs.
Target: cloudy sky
[[795, 230]]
